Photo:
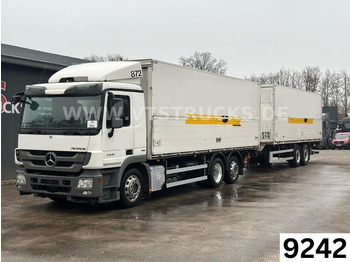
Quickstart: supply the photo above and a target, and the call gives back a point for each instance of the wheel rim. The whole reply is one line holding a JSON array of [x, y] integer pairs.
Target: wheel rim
[[306, 155], [217, 172], [234, 170], [297, 156], [132, 188]]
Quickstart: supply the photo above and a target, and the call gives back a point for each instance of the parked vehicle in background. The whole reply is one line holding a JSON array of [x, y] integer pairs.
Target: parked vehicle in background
[[342, 140], [344, 125], [147, 125], [332, 112], [327, 132]]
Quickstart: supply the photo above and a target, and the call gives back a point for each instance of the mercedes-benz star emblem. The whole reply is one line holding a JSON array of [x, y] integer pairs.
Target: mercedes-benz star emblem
[[50, 159]]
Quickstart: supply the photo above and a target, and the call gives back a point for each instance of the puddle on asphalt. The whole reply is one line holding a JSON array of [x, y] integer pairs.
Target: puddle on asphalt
[[257, 185]]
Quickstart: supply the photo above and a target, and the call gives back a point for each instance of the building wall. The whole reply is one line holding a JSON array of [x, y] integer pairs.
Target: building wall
[[14, 78]]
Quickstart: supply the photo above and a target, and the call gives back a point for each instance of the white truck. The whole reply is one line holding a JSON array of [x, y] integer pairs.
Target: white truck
[[101, 132]]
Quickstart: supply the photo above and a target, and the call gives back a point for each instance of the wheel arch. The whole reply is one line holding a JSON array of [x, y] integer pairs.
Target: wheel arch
[[133, 162], [145, 172], [219, 155]]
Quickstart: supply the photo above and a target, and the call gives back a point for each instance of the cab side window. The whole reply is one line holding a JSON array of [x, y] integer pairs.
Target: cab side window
[[126, 115]]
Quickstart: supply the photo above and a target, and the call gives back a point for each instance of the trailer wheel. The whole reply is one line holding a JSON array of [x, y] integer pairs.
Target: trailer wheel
[[131, 188], [305, 155], [216, 172], [295, 162], [232, 172]]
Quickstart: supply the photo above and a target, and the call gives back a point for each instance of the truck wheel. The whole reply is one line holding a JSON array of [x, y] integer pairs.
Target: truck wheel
[[131, 188], [296, 157], [305, 155], [232, 172], [216, 173]]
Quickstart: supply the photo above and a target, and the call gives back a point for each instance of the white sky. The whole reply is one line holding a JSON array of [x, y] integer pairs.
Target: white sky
[[252, 36]]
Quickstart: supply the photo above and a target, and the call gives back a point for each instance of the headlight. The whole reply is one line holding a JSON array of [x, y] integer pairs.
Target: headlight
[[85, 183], [21, 179]]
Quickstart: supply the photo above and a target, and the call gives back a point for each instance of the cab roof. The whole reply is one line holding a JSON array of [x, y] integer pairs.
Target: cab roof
[[121, 71]]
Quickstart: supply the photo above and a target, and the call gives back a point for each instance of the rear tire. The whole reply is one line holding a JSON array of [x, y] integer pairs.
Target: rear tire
[[296, 157], [305, 155], [131, 188], [233, 170], [216, 173]]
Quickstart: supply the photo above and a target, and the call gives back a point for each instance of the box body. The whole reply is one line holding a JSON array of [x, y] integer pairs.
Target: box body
[[289, 115], [191, 111]]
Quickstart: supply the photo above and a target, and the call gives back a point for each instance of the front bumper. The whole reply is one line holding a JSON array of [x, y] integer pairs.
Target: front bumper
[[341, 145], [62, 186]]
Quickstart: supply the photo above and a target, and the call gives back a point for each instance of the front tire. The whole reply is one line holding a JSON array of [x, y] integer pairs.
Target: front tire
[[305, 155], [295, 162], [232, 173], [216, 173], [131, 188]]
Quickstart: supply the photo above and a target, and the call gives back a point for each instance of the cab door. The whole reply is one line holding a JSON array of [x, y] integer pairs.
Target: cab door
[[117, 143]]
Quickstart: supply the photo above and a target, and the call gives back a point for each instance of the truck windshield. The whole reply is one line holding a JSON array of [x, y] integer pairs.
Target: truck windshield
[[61, 112]]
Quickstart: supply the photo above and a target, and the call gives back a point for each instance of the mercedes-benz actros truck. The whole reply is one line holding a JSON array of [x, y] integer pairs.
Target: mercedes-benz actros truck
[[101, 132]]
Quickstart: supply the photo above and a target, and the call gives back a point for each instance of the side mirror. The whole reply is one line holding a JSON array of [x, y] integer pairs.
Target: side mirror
[[34, 105], [117, 108], [17, 98], [117, 123], [116, 114]]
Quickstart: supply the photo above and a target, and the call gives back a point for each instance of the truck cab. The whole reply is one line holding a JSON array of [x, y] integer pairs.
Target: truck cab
[[102, 132], [79, 129]]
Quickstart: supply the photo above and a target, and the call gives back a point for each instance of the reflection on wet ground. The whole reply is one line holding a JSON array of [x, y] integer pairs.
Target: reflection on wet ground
[[238, 222]]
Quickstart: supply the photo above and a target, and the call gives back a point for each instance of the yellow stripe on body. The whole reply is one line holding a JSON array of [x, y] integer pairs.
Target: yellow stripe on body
[[293, 120], [198, 119]]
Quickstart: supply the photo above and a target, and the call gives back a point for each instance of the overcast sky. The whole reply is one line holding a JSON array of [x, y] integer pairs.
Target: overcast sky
[[252, 36]]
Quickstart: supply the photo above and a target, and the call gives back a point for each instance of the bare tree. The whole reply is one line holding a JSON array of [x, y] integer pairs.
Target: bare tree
[[333, 87], [261, 79], [345, 82], [296, 80], [204, 61], [312, 78], [107, 58], [326, 88]]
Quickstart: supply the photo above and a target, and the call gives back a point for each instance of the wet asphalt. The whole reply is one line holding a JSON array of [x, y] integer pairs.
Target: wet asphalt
[[240, 222]]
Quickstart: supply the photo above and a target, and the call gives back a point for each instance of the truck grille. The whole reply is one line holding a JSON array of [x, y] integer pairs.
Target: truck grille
[[51, 189], [53, 161], [50, 185]]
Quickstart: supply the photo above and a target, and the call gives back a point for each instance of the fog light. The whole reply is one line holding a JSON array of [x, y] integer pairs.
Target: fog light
[[85, 183], [87, 193], [21, 179]]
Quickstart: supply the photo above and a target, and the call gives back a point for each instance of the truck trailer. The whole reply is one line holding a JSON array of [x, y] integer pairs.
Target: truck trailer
[[102, 132]]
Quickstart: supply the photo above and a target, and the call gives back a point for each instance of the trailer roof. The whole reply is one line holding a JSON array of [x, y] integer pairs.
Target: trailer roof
[[150, 61]]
